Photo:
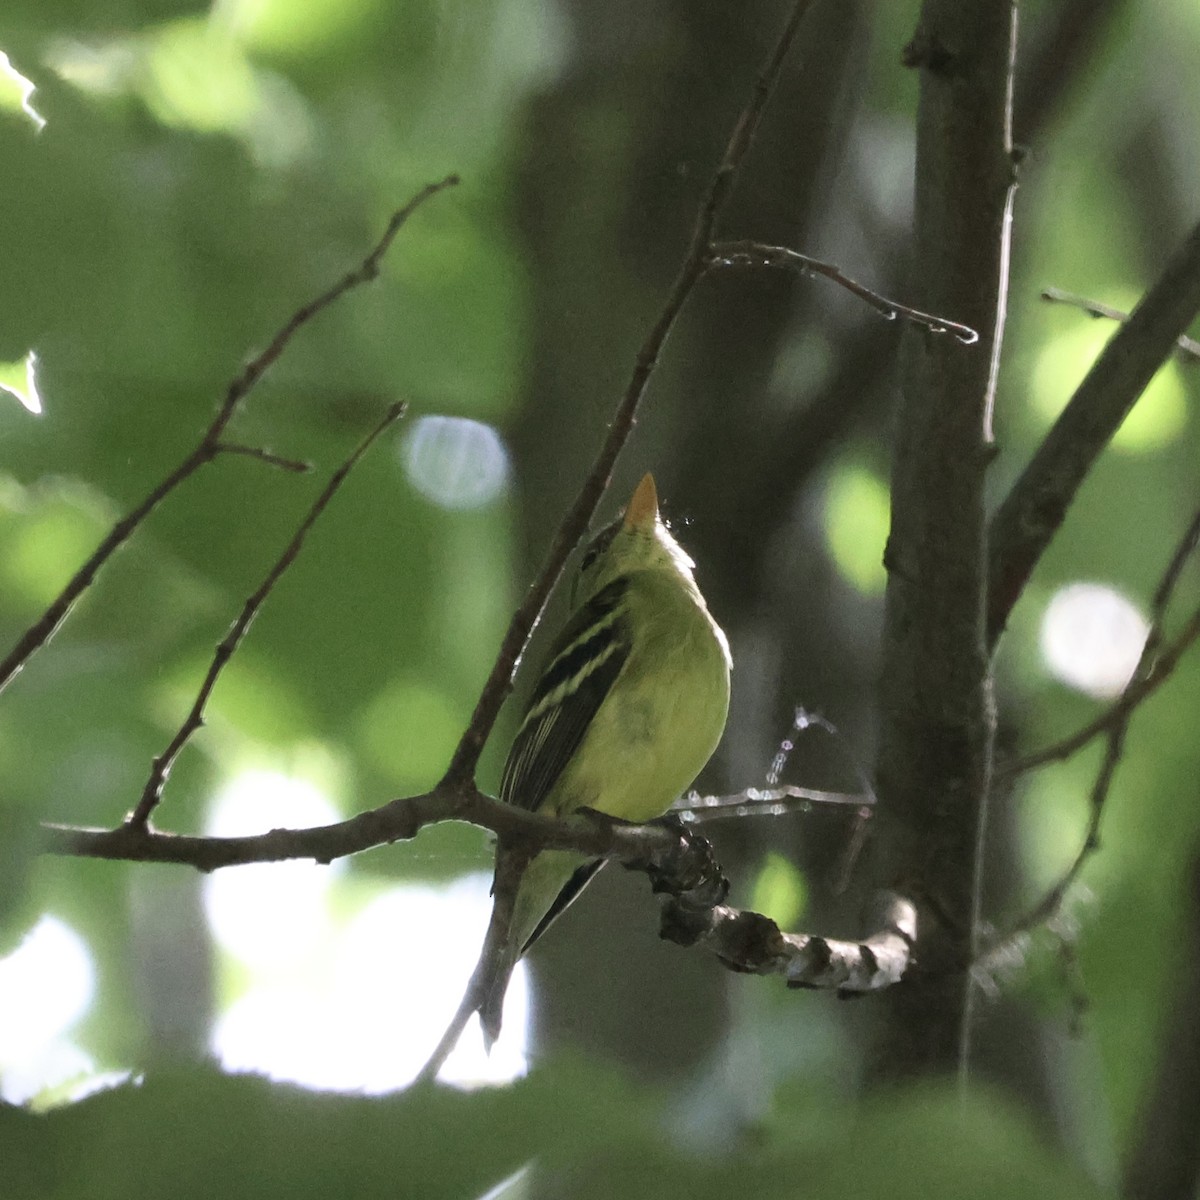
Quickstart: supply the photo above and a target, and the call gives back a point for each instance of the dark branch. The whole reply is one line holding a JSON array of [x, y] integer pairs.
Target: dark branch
[[161, 767], [1032, 512], [269, 457], [397, 820], [1159, 664], [572, 527], [1152, 663], [209, 446], [757, 254], [936, 717]]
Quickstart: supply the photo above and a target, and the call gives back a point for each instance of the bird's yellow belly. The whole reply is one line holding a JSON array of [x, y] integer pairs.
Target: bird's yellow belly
[[645, 753]]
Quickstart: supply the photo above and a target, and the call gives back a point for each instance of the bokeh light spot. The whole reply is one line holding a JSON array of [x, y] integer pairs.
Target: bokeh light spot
[[19, 380], [46, 986], [382, 991], [1091, 638], [857, 516], [16, 92], [1156, 420], [455, 462]]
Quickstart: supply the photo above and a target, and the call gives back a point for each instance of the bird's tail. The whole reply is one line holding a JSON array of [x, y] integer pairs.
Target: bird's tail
[[489, 982], [493, 987]]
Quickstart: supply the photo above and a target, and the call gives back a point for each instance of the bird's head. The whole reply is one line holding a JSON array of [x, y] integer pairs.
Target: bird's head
[[638, 540]]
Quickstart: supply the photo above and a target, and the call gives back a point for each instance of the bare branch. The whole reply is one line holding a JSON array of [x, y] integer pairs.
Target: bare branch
[[758, 254], [499, 681], [271, 459], [1187, 348], [1159, 671], [750, 943], [209, 445], [1037, 504], [1152, 667], [1155, 666], [397, 820], [161, 767], [695, 809]]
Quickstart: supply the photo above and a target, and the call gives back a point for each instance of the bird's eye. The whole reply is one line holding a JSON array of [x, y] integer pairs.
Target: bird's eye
[[599, 544]]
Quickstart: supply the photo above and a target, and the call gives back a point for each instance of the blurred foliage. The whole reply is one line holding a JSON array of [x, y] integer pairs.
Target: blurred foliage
[[203, 170], [585, 1131]]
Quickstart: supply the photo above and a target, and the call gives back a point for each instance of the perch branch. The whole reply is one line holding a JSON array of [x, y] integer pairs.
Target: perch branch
[[750, 943], [161, 767], [209, 445], [397, 820]]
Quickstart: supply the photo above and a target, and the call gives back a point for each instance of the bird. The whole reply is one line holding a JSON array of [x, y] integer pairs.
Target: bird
[[628, 707]]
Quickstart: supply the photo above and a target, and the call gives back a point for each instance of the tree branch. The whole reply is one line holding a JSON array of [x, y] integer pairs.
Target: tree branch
[[934, 760], [1035, 507], [209, 445], [1139, 688], [295, 466], [571, 529], [758, 254], [750, 943], [398, 820], [161, 767], [1153, 667], [695, 809], [1186, 348]]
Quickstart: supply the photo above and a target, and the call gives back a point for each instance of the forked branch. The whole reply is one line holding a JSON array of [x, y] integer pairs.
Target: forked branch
[[210, 443]]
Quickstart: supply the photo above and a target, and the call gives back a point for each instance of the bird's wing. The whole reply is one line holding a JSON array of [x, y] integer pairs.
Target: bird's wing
[[583, 665], [566, 897]]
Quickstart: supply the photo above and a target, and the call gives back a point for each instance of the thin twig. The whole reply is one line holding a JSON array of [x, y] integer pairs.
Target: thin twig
[[1150, 663], [1156, 665], [1050, 903], [759, 254], [694, 809], [1187, 348], [570, 530], [1139, 688], [209, 445], [161, 767], [1036, 505], [295, 465]]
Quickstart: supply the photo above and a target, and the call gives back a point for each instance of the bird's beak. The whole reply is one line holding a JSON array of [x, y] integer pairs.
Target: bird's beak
[[642, 510]]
